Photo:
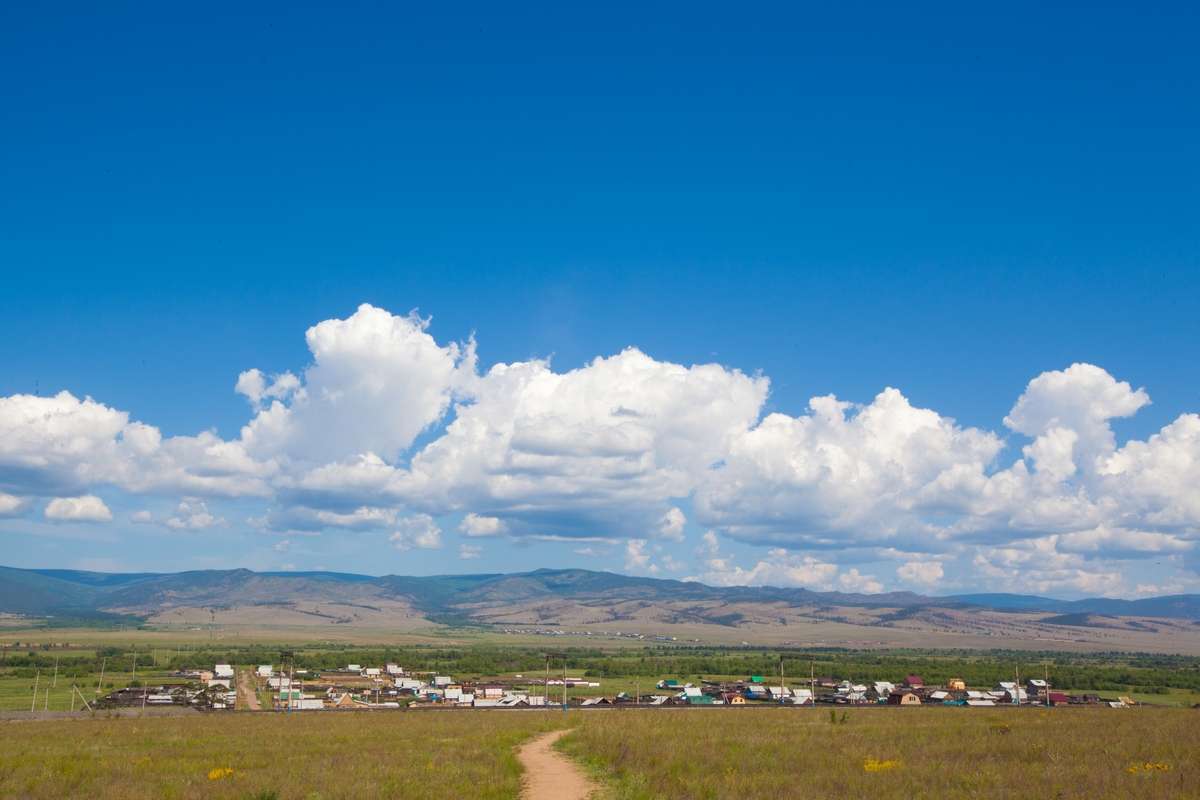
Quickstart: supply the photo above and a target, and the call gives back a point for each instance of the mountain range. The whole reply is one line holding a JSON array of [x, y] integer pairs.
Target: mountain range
[[544, 596]]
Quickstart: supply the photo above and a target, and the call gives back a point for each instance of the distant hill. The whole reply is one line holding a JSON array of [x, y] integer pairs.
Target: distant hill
[[549, 596]]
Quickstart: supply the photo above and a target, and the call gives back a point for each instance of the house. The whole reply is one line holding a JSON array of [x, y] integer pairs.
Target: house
[[701, 700], [904, 699], [669, 683], [372, 672], [756, 691], [225, 682], [265, 671], [981, 703], [881, 689], [939, 696], [490, 692], [442, 680], [914, 681], [733, 699], [779, 693], [1036, 685], [354, 668], [393, 670], [1059, 699], [802, 697], [956, 685], [1129, 701], [223, 671]]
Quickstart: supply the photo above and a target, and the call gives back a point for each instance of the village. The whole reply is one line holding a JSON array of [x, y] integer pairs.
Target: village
[[356, 687]]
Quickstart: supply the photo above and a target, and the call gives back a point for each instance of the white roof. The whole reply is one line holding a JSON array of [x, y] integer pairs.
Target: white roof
[[981, 702], [692, 691]]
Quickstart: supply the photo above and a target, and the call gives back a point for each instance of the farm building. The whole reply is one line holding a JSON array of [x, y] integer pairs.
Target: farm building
[[956, 685], [904, 699]]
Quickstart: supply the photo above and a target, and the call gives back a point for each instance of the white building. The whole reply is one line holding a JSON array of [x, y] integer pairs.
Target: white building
[[223, 671]]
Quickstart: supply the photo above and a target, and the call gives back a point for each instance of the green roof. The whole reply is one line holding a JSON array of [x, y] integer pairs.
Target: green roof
[[756, 678], [702, 700]]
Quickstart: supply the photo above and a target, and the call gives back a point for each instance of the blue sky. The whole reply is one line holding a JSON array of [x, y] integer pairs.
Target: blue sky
[[943, 200]]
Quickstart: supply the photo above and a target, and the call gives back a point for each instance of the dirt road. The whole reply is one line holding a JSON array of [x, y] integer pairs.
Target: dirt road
[[247, 694], [550, 775]]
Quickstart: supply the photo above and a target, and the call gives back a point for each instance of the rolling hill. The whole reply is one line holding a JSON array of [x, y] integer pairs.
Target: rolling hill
[[479, 598]]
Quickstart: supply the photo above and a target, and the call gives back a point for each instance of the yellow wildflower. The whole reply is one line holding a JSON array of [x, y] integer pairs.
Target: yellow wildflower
[[875, 765], [219, 772], [1148, 767]]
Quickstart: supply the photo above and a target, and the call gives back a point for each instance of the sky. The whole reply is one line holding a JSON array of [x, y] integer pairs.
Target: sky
[[863, 298]]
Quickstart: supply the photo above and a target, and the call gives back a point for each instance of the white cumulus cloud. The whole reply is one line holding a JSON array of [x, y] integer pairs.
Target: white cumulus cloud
[[87, 508]]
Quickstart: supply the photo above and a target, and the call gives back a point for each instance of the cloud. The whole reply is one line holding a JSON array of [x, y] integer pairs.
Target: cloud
[[843, 474], [387, 428], [469, 551], [256, 388], [780, 568], [637, 559], [475, 525], [142, 517], [417, 531], [671, 525], [377, 381], [852, 581], [600, 449], [925, 574], [11, 505], [87, 508], [192, 515]]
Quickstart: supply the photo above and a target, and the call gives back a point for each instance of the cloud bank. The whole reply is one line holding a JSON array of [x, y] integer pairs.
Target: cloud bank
[[387, 429]]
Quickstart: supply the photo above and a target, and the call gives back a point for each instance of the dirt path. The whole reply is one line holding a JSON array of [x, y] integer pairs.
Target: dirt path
[[549, 775], [247, 694]]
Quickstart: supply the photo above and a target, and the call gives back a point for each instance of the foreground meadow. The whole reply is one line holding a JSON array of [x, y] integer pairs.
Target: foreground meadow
[[894, 753], [312, 756], [686, 753]]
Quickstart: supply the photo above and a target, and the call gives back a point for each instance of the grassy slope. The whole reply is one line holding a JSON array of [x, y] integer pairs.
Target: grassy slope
[[940, 752]]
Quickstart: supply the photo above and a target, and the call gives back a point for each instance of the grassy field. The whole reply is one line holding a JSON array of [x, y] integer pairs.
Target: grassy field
[[893, 753], [747, 754]]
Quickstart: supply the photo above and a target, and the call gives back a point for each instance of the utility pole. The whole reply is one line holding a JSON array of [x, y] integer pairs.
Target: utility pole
[[546, 682], [55, 682], [37, 677], [1046, 679], [100, 683], [812, 682], [781, 677], [1017, 671], [564, 683]]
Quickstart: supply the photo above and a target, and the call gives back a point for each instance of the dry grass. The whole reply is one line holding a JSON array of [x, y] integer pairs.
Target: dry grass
[[322, 755], [894, 753], [701, 753]]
